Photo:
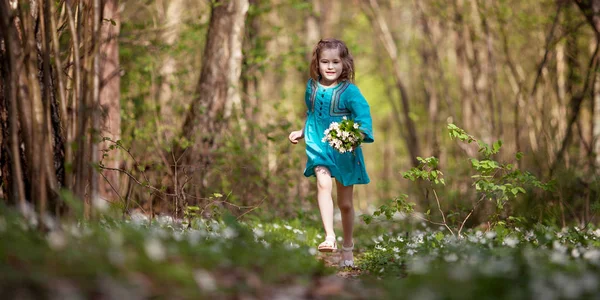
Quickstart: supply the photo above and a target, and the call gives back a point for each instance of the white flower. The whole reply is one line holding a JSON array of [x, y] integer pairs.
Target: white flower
[[490, 235], [258, 232], [205, 280], [288, 227], [57, 240], [356, 126], [155, 249], [452, 257], [510, 241], [229, 233], [592, 255], [558, 258], [100, 204], [558, 247]]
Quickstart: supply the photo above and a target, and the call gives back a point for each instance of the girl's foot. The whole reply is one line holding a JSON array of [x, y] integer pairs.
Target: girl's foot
[[329, 245], [347, 259]]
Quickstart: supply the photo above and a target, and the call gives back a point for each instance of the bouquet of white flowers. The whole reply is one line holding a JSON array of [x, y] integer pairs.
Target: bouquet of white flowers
[[343, 136]]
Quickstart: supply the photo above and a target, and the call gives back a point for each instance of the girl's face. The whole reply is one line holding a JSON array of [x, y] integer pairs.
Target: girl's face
[[330, 66]]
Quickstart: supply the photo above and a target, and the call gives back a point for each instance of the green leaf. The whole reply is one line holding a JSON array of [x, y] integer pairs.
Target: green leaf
[[439, 236], [497, 145]]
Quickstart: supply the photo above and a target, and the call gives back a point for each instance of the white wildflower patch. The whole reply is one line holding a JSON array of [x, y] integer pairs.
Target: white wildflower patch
[[592, 255], [510, 241], [165, 220], [49, 221], [155, 249], [380, 247], [344, 136], [558, 247], [559, 258], [205, 280], [100, 204], [452, 257], [194, 236], [258, 232], [229, 233], [139, 218], [57, 240]]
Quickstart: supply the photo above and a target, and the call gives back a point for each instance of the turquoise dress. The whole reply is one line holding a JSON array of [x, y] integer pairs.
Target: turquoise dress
[[326, 105]]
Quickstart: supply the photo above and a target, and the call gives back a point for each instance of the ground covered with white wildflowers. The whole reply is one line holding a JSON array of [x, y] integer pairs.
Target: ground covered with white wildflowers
[[164, 258]]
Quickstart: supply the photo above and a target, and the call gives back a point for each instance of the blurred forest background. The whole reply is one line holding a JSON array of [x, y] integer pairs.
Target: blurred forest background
[[162, 105]]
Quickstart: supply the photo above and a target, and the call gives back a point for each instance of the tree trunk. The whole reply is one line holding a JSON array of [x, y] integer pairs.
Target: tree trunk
[[591, 10], [173, 24], [12, 170], [374, 14], [30, 109], [110, 126], [462, 66], [430, 67], [217, 87]]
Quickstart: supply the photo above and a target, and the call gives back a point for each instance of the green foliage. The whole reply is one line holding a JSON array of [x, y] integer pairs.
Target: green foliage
[[397, 205], [112, 256], [501, 263], [493, 181], [427, 170]]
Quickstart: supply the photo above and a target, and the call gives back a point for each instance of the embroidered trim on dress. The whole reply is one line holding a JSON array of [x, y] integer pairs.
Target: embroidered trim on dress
[[335, 110]]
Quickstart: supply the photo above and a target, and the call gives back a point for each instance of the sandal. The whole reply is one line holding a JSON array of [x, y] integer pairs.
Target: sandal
[[344, 263], [329, 245]]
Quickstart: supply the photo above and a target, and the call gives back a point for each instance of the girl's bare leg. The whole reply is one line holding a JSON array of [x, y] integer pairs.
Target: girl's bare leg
[[324, 188], [345, 203]]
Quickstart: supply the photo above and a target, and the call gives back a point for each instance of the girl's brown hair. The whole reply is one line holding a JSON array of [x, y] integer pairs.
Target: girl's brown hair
[[347, 60]]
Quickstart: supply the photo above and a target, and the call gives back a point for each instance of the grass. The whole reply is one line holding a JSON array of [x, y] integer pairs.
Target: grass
[[263, 258]]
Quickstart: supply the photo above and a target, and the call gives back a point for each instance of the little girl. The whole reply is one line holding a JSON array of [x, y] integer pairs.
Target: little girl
[[330, 96]]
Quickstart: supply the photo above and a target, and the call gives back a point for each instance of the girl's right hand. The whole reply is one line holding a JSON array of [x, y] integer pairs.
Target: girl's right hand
[[295, 136]]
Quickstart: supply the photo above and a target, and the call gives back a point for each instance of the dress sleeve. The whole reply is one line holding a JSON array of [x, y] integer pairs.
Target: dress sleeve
[[307, 95], [361, 113]]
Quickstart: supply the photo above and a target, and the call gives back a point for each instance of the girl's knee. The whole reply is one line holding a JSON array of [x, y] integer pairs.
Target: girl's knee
[[324, 183], [345, 206]]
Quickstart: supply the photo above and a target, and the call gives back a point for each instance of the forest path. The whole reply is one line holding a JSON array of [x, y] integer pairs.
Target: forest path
[[345, 283]]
